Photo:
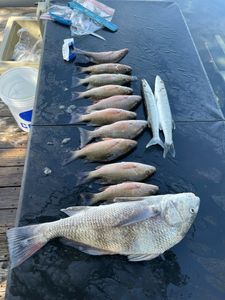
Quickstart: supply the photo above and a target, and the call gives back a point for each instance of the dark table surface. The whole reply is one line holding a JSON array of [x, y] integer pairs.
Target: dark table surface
[[159, 43]]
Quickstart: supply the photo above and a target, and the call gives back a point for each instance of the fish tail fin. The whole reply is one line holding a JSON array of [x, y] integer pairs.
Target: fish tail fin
[[77, 95], [24, 242], [85, 136], [76, 117], [73, 156], [155, 141], [83, 177], [81, 70], [77, 82], [88, 198], [169, 148], [79, 51]]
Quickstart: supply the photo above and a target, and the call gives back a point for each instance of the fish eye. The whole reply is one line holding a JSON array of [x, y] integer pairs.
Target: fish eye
[[192, 210]]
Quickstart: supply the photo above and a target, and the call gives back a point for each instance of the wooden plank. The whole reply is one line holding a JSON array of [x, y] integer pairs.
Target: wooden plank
[[7, 219], [11, 135], [12, 140], [3, 284], [4, 255], [4, 111], [10, 176], [12, 157], [9, 197]]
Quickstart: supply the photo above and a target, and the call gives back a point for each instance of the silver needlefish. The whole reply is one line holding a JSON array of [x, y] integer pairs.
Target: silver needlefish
[[165, 117], [140, 230], [152, 114]]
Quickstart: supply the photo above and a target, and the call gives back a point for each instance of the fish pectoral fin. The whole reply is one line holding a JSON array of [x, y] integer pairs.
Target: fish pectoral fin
[[141, 257], [127, 199], [70, 211], [93, 251], [142, 213]]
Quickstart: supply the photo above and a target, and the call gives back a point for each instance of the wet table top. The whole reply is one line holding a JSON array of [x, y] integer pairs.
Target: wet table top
[[194, 269]]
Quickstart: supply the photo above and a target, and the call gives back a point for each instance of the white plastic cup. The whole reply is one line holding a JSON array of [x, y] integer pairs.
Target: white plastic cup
[[17, 90]]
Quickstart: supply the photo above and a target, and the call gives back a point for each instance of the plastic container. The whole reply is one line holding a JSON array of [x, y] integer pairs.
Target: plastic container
[[11, 37], [17, 90]]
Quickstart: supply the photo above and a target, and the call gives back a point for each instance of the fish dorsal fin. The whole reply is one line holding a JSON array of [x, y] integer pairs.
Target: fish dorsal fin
[[70, 211], [127, 199], [141, 213]]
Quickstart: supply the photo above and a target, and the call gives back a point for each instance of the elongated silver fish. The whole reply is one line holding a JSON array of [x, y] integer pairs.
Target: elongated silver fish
[[125, 189], [109, 68], [152, 114], [121, 129], [105, 79], [140, 230], [165, 116], [103, 151], [117, 172], [103, 117], [126, 102], [105, 91], [103, 57]]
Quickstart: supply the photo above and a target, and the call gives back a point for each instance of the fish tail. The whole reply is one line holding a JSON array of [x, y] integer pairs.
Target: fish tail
[[76, 117], [78, 82], [155, 141], [88, 198], [24, 242], [83, 177], [79, 51], [73, 155], [85, 136], [77, 95], [169, 148], [81, 70]]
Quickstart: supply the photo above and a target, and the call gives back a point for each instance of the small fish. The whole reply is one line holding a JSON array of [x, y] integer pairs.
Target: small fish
[[103, 57], [105, 79], [152, 114], [140, 230], [106, 68], [105, 91], [103, 151], [103, 117], [121, 129], [165, 117], [125, 189], [126, 102], [117, 173]]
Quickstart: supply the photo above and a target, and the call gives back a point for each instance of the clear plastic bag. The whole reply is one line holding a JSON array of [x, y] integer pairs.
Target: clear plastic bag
[[27, 48], [81, 24]]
